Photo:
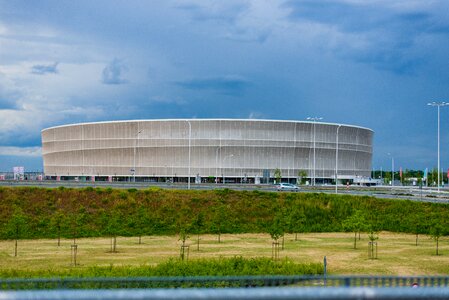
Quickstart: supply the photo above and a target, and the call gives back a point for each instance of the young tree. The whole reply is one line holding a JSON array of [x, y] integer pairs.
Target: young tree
[[57, 221], [296, 221], [78, 222], [436, 232], [283, 222], [278, 175], [276, 231], [373, 236], [197, 225], [219, 220], [355, 223], [184, 226], [417, 227], [138, 222], [302, 174], [16, 226], [183, 236], [113, 228]]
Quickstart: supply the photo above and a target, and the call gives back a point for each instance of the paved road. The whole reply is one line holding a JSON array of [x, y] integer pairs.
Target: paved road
[[409, 193]]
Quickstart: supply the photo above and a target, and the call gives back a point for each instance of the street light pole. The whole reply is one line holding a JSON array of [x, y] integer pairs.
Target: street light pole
[[314, 119], [381, 179], [336, 163], [392, 170], [135, 146], [216, 164], [438, 105], [190, 137]]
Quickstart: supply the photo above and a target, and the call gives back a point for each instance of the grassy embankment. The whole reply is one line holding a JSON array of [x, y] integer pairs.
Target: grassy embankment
[[159, 215], [47, 213]]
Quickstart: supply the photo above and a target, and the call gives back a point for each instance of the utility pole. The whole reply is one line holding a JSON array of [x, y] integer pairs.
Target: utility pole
[[438, 105], [314, 119]]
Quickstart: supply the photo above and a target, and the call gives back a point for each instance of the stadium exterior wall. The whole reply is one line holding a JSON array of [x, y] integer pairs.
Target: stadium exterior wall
[[235, 150]]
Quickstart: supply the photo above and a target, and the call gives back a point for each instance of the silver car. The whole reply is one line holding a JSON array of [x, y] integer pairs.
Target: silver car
[[288, 187]]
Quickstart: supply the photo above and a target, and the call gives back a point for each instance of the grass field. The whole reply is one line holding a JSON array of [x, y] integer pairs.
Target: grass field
[[397, 253]]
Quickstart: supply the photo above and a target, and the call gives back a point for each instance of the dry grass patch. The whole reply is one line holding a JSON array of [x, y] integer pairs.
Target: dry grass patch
[[397, 253]]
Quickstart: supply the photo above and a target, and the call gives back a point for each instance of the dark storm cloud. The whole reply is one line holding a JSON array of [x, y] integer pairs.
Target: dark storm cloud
[[113, 73], [367, 62], [24, 140], [8, 96], [231, 86], [6, 103], [45, 69], [363, 17], [390, 36]]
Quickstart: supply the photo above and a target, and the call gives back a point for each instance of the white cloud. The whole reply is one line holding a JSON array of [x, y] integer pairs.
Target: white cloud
[[46, 100], [113, 72], [256, 115], [3, 30], [221, 11], [21, 151]]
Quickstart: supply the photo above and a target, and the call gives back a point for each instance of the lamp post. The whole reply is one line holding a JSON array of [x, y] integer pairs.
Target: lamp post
[[135, 146], [438, 105], [314, 119], [190, 137], [216, 164], [381, 180], [392, 170], [336, 162]]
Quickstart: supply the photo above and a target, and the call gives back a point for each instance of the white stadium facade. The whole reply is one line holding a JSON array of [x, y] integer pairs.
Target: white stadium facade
[[207, 150]]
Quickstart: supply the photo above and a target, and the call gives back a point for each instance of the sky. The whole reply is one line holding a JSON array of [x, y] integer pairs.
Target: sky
[[370, 63]]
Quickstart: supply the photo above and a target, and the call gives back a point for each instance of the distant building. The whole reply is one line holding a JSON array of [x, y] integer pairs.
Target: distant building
[[210, 150]]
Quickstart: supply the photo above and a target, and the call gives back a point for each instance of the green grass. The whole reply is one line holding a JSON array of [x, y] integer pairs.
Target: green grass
[[236, 266]]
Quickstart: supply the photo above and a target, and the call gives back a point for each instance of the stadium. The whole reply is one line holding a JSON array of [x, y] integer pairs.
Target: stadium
[[208, 150]]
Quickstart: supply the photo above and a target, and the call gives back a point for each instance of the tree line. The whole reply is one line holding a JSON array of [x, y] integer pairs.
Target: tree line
[[418, 176]]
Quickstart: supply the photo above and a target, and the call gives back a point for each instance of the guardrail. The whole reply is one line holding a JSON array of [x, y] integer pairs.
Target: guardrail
[[223, 282], [332, 293], [218, 288]]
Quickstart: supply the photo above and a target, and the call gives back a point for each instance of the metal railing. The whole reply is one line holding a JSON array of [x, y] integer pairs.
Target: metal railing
[[217, 288], [234, 293], [223, 282]]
